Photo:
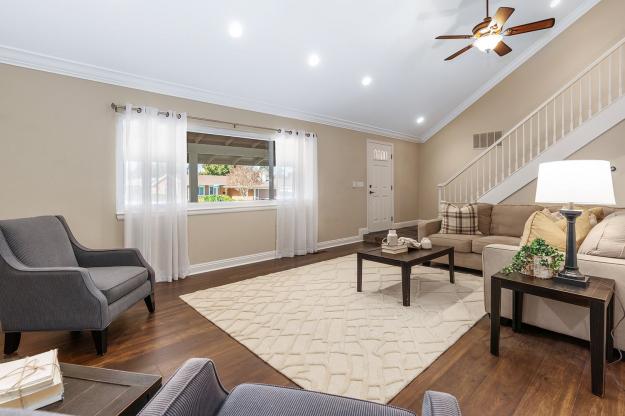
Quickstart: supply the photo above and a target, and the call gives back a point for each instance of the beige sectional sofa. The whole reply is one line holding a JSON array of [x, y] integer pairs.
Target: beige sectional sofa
[[501, 227], [498, 224]]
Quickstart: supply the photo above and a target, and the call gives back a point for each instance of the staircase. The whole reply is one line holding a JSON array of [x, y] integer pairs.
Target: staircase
[[582, 110]]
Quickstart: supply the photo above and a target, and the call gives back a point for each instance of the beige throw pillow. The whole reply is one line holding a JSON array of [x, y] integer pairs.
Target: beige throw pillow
[[458, 220], [542, 225], [607, 239]]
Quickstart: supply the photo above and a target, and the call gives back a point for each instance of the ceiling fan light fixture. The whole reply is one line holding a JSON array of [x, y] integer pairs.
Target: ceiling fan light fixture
[[487, 42]]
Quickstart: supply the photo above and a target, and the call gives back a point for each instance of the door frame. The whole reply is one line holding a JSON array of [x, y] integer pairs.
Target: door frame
[[392, 179]]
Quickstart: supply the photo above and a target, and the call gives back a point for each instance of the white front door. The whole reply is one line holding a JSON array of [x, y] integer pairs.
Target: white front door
[[379, 186]]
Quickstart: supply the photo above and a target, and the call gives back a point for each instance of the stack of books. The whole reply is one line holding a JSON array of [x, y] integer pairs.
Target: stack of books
[[32, 382], [398, 249]]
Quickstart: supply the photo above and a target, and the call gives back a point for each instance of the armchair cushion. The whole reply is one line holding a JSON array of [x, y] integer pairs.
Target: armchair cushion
[[118, 281], [39, 242], [263, 400]]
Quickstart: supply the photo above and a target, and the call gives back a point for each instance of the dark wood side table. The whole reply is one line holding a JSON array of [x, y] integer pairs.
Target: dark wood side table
[[104, 392], [405, 261], [598, 297]]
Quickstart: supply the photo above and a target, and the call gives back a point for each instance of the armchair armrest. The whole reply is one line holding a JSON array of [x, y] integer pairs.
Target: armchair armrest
[[194, 390], [439, 404], [47, 298], [429, 227], [106, 257]]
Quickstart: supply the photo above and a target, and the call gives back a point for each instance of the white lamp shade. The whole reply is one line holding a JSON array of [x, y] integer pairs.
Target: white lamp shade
[[578, 181]]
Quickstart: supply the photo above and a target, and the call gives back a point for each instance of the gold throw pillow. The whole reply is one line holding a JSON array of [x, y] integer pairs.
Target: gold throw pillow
[[541, 225], [544, 226]]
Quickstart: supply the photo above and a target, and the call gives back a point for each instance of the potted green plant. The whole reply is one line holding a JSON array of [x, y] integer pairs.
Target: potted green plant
[[537, 259]]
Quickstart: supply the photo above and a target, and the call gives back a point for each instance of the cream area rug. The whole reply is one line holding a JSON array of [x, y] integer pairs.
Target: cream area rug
[[312, 325]]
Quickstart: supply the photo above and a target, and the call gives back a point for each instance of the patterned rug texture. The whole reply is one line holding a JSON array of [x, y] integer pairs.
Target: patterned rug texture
[[312, 325]]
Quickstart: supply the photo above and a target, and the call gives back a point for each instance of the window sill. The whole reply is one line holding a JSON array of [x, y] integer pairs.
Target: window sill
[[208, 208]]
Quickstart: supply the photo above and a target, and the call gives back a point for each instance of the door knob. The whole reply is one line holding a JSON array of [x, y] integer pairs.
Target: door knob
[[371, 192]]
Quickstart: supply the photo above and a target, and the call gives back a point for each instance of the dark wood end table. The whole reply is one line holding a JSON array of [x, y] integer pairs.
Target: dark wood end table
[[405, 261], [598, 297], [104, 392]]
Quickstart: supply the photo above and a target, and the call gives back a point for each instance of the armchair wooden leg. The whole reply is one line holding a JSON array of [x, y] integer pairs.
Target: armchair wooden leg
[[149, 302], [100, 340], [11, 342]]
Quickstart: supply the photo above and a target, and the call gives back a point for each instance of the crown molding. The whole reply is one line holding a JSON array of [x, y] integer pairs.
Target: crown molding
[[47, 63], [517, 62]]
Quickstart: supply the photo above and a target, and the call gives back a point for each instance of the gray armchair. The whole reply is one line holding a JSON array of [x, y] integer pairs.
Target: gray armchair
[[50, 282]]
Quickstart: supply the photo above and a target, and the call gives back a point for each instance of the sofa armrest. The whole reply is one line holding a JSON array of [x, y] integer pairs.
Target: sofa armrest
[[194, 390], [494, 258], [87, 257], [429, 227], [439, 404]]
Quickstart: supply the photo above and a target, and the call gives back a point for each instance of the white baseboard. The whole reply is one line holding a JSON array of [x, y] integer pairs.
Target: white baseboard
[[339, 242], [231, 262], [268, 255], [404, 224]]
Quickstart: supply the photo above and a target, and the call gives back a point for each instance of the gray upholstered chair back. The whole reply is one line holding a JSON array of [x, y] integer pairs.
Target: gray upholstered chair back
[[39, 242]]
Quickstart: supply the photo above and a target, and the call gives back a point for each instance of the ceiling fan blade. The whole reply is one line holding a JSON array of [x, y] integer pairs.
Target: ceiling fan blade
[[502, 49], [502, 15], [461, 51], [454, 37], [530, 27]]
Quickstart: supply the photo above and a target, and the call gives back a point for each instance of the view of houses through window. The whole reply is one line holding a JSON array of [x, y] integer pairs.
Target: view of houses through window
[[227, 168]]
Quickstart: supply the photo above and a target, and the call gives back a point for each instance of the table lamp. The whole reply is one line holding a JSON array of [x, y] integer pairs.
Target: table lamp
[[574, 182]]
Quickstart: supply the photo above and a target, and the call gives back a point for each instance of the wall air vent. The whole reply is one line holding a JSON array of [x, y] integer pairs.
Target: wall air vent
[[484, 140]]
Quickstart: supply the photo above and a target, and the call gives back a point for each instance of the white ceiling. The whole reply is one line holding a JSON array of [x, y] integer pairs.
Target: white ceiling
[[183, 48]]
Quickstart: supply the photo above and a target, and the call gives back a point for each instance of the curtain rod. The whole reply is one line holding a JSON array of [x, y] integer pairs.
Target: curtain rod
[[117, 108]]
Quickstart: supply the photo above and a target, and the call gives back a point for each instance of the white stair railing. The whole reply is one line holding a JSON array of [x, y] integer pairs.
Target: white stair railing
[[589, 93]]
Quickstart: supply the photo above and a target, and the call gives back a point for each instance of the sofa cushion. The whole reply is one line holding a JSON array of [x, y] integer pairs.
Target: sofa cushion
[[480, 243], [607, 239], [116, 282], [484, 212], [460, 242], [510, 219], [39, 242], [263, 400]]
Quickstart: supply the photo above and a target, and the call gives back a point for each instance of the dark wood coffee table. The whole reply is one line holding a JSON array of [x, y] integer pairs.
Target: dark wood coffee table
[[598, 297], [104, 392], [405, 261]]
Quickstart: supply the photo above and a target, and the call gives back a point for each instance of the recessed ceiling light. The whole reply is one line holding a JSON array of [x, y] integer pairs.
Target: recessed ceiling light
[[554, 3], [420, 120], [235, 29], [313, 59], [366, 80]]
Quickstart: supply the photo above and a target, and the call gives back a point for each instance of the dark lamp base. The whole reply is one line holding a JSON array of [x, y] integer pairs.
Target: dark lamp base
[[572, 277]]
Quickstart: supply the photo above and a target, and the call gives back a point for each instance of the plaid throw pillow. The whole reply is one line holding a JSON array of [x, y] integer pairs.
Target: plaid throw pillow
[[458, 220]]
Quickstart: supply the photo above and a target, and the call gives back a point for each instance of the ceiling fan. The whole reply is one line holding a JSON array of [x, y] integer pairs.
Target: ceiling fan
[[488, 34]]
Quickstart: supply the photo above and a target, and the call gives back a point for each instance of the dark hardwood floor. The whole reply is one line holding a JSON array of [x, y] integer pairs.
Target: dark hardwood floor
[[537, 373]]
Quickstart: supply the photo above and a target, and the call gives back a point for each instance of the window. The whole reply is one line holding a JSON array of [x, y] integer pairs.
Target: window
[[225, 168]]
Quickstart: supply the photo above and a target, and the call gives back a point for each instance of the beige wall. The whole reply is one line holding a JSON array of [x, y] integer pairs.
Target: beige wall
[[518, 94], [610, 146], [57, 155]]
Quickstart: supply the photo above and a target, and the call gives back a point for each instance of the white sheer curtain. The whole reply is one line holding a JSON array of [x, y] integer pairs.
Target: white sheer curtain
[[295, 181], [153, 148]]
